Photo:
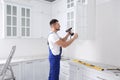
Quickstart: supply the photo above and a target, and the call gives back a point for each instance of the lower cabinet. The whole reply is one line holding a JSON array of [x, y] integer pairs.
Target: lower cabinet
[[76, 73], [64, 70], [80, 72], [17, 70], [31, 70], [41, 70], [27, 70], [73, 72]]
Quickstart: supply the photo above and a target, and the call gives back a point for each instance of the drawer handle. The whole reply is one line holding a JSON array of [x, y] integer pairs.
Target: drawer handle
[[65, 73], [100, 78], [29, 62], [14, 64]]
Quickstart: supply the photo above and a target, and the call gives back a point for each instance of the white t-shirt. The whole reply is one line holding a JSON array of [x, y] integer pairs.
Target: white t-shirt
[[52, 38]]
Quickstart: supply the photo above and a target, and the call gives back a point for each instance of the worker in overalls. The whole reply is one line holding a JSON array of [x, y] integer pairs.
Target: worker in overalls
[[55, 44]]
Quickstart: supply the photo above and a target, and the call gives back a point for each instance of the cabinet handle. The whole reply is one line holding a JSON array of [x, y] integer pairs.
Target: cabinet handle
[[100, 78], [41, 60], [29, 62], [14, 64], [65, 73]]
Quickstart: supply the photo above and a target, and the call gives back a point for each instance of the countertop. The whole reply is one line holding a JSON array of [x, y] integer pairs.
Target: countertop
[[21, 59]]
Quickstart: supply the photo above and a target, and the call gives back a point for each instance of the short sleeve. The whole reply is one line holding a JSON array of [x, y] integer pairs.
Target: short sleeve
[[53, 38]]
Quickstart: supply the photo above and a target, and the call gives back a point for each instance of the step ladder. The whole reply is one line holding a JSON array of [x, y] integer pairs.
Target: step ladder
[[4, 75]]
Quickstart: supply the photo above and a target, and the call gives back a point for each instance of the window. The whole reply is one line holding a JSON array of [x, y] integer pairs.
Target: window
[[11, 18], [25, 22]]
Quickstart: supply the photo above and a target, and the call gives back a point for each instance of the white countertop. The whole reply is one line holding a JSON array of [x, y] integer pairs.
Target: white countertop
[[104, 66], [2, 61], [21, 59]]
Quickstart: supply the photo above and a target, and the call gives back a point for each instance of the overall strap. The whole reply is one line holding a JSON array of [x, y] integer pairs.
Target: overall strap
[[47, 39]]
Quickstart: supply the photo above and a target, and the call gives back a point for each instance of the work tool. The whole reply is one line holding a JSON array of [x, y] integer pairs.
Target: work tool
[[89, 65], [69, 30]]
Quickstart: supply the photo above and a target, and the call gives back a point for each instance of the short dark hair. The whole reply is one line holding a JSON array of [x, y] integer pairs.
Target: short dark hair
[[53, 21]]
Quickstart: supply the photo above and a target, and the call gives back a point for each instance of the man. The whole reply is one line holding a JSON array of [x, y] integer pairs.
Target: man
[[55, 44]]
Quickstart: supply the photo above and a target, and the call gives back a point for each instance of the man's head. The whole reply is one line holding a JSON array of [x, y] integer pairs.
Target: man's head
[[54, 23]]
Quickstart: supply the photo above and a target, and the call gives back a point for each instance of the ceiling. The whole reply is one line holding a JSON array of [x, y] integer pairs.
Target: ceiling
[[50, 0]]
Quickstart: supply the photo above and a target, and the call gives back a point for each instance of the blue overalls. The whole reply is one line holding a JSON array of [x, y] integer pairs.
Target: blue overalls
[[54, 65]]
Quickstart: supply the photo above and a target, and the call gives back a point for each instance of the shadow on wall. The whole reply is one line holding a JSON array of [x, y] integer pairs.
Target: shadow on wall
[[83, 49], [108, 31]]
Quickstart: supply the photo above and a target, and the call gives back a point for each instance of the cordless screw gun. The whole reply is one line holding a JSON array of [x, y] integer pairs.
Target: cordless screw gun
[[69, 30]]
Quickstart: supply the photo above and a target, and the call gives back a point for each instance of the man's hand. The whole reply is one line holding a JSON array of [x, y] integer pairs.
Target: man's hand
[[75, 36]]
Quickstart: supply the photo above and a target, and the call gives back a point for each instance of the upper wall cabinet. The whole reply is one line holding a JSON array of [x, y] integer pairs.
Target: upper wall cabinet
[[78, 17], [16, 20]]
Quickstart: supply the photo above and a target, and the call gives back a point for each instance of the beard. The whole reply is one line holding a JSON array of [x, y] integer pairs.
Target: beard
[[57, 29]]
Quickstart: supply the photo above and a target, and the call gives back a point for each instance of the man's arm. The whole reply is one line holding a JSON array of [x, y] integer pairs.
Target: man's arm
[[65, 38], [64, 43]]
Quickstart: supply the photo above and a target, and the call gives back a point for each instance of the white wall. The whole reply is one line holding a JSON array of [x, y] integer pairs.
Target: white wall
[[108, 30], [37, 45], [59, 12], [41, 16], [104, 18], [1, 20], [24, 47]]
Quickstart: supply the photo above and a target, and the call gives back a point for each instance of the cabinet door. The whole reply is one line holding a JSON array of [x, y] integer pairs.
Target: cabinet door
[[25, 21], [73, 72], [64, 76], [27, 70], [79, 73], [37, 70], [17, 70], [11, 17], [41, 70], [45, 69]]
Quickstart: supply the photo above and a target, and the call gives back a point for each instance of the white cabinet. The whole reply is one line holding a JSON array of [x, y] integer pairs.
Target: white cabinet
[[64, 70], [78, 17], [15, 20], [75, 71], [27, 70], [31, 70], [41, 69], [76, 14], [35, 70], [17, 70]]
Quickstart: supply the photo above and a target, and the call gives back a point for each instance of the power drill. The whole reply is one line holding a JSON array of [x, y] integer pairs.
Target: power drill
[[69, 30]]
